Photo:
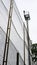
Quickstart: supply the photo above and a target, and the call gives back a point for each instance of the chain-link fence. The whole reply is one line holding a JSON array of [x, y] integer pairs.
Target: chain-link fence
[[16, 36], [12, 56]]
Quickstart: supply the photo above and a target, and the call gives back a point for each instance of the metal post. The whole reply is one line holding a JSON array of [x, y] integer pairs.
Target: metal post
[[27, 17], [17, 59], [28, 42], [5, 56], [24, 40]]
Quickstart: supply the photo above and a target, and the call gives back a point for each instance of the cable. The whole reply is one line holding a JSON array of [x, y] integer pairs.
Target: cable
[[4, 6]]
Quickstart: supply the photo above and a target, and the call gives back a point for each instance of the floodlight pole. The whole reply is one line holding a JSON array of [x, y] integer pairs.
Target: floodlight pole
[[27, 17], [24, 40]]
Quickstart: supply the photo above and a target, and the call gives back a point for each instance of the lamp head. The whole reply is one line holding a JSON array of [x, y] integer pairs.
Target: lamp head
[[26, 15]]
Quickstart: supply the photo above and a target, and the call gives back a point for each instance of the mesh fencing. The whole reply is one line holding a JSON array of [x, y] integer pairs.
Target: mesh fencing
[[12, 56], [2, 43], [17, 40], [21, 62], [16, 37]]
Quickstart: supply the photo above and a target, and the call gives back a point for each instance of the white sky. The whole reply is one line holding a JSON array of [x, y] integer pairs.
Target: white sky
[[31, 6]]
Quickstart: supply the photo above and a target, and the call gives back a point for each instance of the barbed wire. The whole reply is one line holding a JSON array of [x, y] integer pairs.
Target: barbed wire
[[4, 6]]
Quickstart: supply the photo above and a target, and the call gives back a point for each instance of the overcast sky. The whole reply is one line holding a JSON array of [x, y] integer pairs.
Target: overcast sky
[[31, 6]]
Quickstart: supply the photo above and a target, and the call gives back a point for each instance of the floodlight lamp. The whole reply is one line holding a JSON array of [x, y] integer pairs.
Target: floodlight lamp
[[26, 15]]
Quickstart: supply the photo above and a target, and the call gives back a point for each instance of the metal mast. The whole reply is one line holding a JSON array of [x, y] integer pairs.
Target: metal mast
[[24, 40], [27, 17], [5, 56]]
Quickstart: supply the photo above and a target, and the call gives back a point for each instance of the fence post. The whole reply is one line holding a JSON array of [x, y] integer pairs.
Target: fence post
[[17, 63]]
